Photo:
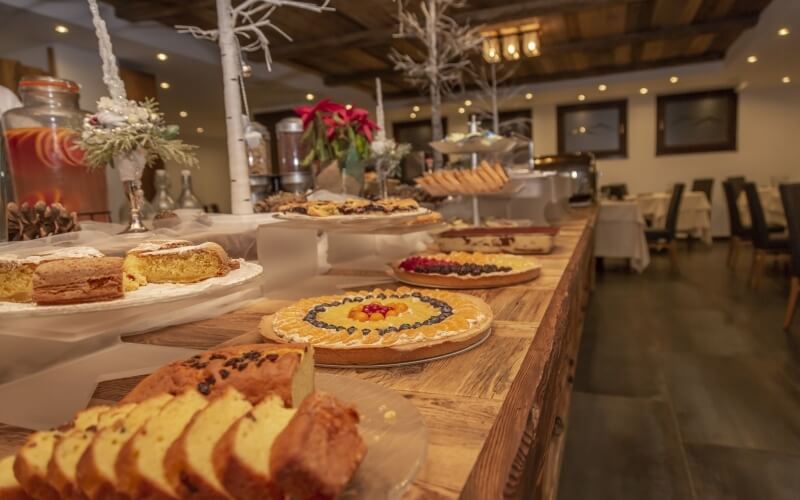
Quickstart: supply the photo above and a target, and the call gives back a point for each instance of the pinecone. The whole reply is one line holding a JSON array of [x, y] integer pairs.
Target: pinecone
[[29, 223]]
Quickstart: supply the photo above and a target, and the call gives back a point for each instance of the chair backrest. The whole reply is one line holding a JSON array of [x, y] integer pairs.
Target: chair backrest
[[790, 194], [738, 183], [758, 221], [674, 208], [703, 186], [731, 198]]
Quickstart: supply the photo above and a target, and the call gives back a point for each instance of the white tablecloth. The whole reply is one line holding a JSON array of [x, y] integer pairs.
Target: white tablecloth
[[770, 200], [694, 216], [620, 233]]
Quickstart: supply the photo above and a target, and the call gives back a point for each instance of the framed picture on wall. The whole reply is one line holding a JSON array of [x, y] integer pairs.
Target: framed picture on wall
[[696, 122], [515, 123], [599, 128]]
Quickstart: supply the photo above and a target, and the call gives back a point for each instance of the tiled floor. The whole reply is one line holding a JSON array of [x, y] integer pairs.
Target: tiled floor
[[686, 387]]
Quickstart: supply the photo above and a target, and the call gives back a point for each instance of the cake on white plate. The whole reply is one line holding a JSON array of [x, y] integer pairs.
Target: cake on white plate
[[177, 261], [16, 273]]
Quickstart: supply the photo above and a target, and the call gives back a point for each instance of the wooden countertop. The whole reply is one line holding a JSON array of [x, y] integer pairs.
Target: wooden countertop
[[491, 411]]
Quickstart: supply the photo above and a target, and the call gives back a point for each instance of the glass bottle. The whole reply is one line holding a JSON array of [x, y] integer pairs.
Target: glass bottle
[[45, 162], [187, 199], [162, 201], [259, 159]]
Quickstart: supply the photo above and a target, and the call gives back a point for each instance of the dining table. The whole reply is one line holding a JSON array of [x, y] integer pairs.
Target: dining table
[[770, 198], [619, 233], [694, 216]]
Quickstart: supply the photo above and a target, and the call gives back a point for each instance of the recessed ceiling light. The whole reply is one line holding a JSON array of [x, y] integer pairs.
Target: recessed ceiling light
[[164, 85], [183, 114], [602, 87], [528, 96], [581, 97], [461, 111], [752, 59], [643, 90], [784, 31], [786, 79], [61, 29], [468, 103], [309, 97], [348, 107], [200, 130], [415, 109], [673, 79], [581, 129], [162, 56], [412, 115]]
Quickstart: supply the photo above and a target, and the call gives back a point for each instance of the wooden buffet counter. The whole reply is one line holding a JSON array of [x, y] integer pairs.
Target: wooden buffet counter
[[496, 415]]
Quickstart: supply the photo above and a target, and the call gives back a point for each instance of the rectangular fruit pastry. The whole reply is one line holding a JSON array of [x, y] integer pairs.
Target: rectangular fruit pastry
[[520, 240]]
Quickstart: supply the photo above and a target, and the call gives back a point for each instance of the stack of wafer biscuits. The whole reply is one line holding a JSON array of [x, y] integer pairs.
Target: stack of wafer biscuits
[[485, 179]]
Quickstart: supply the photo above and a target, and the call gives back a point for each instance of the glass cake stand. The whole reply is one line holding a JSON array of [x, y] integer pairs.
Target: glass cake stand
[[393, 430]]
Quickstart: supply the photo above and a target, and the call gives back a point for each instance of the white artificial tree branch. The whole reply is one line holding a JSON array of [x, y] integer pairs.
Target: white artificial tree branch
[[241, 29]]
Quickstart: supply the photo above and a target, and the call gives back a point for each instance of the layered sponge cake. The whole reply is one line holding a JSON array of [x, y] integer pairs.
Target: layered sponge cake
[[16, 274], [177, 261], [72, 281]]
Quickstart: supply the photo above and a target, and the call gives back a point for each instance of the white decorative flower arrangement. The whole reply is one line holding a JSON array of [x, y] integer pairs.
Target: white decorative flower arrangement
[[388, 151], [122, 126]]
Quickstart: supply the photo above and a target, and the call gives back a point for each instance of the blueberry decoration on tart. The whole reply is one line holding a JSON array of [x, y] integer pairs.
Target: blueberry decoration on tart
[[466, 270], [382, 326]]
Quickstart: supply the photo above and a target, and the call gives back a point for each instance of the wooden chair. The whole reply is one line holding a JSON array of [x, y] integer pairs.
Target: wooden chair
[[764, 246], [658, 239], [703, 186], [790, 194]]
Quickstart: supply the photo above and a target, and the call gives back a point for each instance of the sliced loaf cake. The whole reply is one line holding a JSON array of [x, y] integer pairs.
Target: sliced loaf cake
[[190, 460], [10, 488], [33, 458], [96, 475], [61, 471], [140, 465], [241, 458]]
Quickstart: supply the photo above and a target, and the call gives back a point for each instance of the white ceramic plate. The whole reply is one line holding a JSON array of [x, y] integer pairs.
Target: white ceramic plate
[[156, 293], [353, 218]]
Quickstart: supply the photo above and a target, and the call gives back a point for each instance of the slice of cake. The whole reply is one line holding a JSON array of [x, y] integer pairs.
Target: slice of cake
[[140, 465], [254, 370], [520, 240], [190, 460], [16, 274], [318, 452], [96, 474], [176, 262], [61, 472], [73, 281], [10, 489], [16, 279], [241, 458], [33, 458]]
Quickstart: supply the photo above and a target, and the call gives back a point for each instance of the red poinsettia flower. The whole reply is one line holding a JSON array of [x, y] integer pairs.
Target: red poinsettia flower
[[307, 113]]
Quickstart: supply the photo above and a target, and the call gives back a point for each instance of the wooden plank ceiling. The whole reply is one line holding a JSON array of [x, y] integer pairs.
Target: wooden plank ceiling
[[578, 37]]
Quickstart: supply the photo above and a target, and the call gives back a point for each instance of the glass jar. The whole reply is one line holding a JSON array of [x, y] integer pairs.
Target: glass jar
[[289, 136], [259, 159], [45, 162]]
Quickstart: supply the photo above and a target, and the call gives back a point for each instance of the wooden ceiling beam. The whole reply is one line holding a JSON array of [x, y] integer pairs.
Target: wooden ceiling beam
[[593, 71], [596, 44], [489, 15]]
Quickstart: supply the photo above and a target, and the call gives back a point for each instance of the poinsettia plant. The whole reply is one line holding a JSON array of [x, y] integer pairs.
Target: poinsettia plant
[[334, 132]]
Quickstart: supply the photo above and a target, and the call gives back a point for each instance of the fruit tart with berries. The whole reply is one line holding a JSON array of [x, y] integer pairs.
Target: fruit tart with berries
[[382, 326], [466, 270]]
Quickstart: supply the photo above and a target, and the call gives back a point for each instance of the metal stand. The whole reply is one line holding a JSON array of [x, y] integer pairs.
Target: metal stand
[[136, 224], [476, 212]]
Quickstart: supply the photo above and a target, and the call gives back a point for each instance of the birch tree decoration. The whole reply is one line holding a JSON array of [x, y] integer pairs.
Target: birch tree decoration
[[448, 46], [242, 29]]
